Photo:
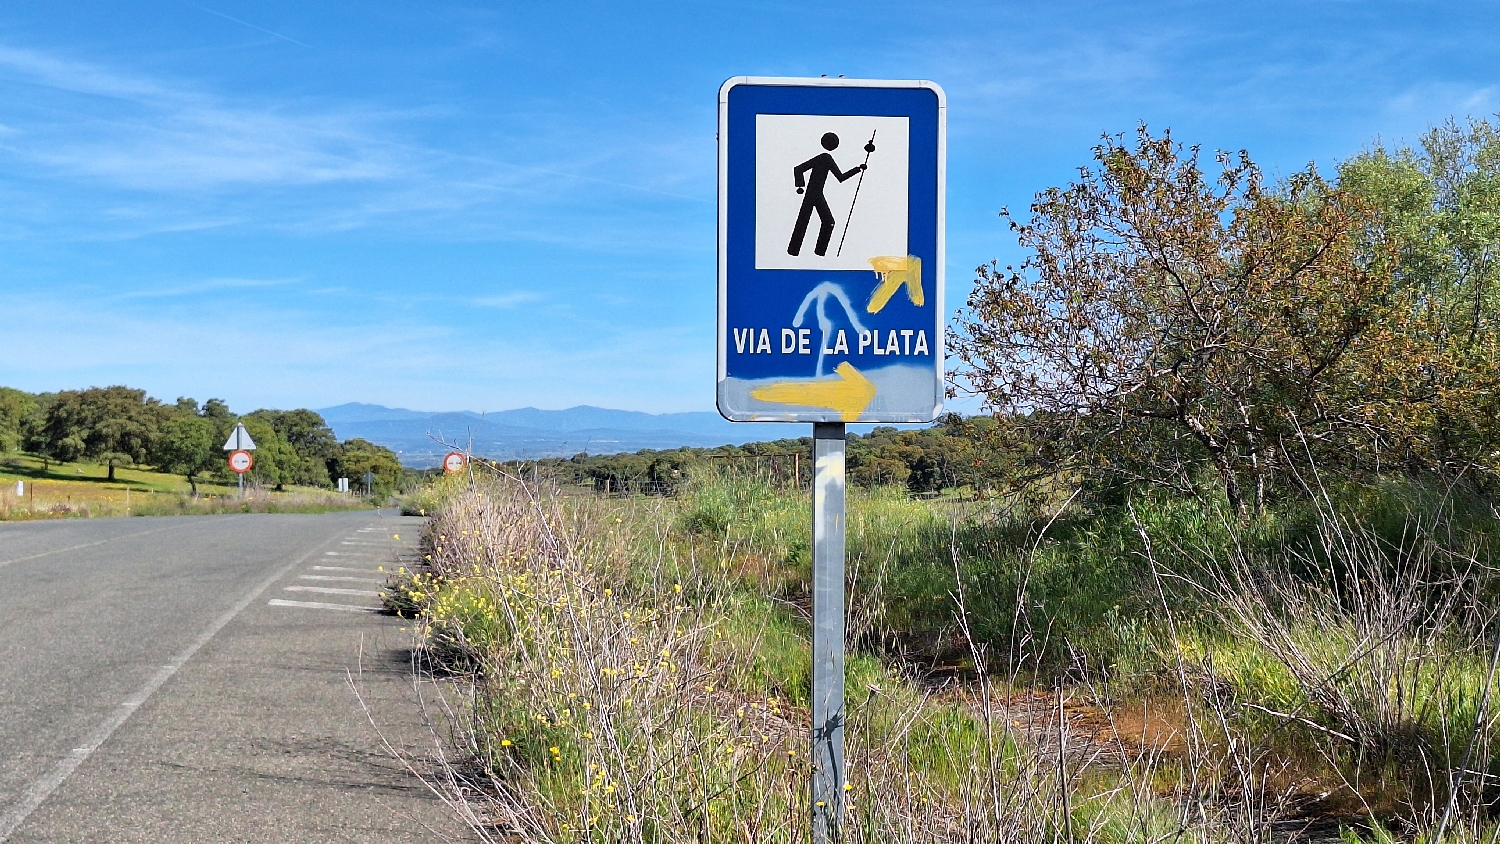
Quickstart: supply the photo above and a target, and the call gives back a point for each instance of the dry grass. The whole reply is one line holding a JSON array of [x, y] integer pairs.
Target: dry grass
[[616, 686]]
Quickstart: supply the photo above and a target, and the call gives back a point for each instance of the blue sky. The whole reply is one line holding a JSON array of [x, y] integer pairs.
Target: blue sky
[[487, 206]]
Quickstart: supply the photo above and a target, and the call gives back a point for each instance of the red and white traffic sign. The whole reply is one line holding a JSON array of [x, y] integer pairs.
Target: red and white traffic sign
[[454, 462], [240, 461]]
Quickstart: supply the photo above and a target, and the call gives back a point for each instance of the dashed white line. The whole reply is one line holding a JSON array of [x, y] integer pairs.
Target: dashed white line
[[329, 590], [317, 605], [347, 568], [340, 578]]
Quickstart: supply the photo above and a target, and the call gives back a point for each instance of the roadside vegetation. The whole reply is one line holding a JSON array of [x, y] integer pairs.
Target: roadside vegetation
[[1220, 568], [636, 668], [83, 490]]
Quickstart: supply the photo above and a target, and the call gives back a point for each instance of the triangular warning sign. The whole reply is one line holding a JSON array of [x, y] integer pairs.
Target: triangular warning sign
[[239, 440]]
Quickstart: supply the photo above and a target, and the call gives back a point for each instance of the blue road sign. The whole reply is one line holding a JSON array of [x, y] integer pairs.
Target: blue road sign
[[831, 250]]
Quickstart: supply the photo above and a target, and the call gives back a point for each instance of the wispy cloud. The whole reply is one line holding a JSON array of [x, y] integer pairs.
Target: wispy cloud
[[169, 155], [251, 26], [210, 285], [1460, 101], [507, 300], [137, 133]]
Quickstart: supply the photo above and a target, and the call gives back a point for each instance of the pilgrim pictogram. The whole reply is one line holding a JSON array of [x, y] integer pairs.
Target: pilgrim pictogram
[[811, 177]]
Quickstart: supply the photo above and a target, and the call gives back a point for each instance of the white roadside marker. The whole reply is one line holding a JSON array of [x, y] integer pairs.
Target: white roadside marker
[[317, 605]]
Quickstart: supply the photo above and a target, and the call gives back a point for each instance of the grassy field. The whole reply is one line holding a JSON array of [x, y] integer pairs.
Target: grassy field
[[636, 668], [62, 490]]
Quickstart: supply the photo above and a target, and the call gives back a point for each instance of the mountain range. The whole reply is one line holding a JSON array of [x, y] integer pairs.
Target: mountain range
[[422, 438]]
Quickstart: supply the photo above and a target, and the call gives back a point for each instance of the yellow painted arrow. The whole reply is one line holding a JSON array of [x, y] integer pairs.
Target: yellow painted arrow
[[849, 394], [894, 271]]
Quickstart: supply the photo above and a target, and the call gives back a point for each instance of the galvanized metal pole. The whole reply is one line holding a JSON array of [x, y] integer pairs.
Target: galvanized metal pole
[[828, 633]]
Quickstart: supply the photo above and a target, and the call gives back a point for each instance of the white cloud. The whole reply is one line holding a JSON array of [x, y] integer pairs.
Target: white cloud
[[145, 154], [208, 285], [148, 135], [1435, 101], [507, 300]]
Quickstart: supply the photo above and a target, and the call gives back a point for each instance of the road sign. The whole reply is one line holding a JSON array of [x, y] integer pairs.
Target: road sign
[[831, 250], [453, 462], [239, 439], [240, 461]]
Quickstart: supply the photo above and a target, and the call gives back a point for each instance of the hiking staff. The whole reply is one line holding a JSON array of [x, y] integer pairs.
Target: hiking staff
[[869, 148]]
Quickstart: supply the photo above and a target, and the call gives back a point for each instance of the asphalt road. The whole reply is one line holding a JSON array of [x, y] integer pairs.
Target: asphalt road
[[189, 679]]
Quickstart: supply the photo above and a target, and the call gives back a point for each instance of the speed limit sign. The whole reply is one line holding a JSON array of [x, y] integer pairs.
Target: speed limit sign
[[240, 461], [454, 462]]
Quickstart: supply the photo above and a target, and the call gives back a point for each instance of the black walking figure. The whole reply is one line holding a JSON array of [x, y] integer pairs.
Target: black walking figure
[[818, 169]]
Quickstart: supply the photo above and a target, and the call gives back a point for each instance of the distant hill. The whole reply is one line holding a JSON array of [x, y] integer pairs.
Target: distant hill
[[531, 433]]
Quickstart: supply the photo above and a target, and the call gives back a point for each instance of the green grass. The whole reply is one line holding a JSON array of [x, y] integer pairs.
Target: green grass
[[59, 490], [16, 466]]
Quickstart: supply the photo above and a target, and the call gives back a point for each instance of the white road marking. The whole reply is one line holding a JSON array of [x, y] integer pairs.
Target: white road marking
[[40, 790], [370, 544], [347, 568], [317, 605], [340, 578], [329, 590]]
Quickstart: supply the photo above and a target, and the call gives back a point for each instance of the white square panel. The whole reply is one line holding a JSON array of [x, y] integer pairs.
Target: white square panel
[[856, 227]]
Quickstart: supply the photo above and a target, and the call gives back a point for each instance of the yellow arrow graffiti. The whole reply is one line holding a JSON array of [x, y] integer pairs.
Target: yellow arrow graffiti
[[894, 271], [849, 394]]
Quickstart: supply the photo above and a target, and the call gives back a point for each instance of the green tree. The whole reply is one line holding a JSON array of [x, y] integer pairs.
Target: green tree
[[359, 456], [111, 425], [310, 437], [1439, 204], [186, 447], [15, 405], [217, 410]]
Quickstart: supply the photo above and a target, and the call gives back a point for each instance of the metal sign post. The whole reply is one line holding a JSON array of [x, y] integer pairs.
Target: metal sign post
[[830, 329], [828, 631]]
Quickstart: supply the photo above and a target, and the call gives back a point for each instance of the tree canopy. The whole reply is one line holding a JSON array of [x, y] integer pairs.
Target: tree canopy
[[1169, 323], [112, 425]]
